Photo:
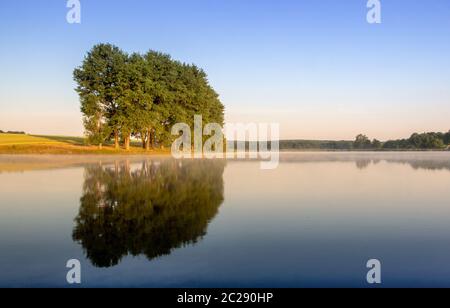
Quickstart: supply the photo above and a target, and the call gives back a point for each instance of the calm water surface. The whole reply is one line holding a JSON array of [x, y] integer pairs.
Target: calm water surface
[[155, 222]]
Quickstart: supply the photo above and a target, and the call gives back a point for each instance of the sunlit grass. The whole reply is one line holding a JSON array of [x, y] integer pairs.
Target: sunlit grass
[[17, 139], [66, 139], [27, 144]]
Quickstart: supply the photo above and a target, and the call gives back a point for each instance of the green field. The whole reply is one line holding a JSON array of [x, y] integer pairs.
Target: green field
[[16, 139], [65, 139], [29, 144]]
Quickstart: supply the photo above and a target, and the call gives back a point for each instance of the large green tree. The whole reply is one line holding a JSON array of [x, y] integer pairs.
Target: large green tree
[[100, 87], [141, 96]]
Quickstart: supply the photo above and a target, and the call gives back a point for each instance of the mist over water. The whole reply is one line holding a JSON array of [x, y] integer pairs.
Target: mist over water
[[314, 221]]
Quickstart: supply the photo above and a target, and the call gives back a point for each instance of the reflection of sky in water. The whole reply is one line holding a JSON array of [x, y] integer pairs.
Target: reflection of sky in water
[[314, 221]]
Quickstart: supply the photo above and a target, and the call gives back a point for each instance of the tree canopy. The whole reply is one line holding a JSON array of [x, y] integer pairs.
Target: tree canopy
[[141, 95], [422, 141]]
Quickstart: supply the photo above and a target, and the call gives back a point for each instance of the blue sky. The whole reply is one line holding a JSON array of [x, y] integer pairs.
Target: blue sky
[[316, 67]]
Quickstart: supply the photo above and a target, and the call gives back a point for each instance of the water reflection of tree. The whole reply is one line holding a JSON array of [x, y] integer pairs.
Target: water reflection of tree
[[149, 210], [415, 164], [363, 163], [417, 160]]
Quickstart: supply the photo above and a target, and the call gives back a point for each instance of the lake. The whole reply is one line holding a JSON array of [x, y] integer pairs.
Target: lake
[[314, 221]]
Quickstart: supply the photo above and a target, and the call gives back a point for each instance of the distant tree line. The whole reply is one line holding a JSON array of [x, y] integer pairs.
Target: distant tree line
[[298, 145], [12, 132], [425, 141], [421, 142], [141, 95]]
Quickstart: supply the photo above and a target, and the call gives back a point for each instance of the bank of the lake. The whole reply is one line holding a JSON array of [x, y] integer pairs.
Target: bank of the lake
[[62, 145]]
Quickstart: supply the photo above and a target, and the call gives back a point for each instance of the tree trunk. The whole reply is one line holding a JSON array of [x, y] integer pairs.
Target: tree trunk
[[152, 139], [116, 139], [144, 138], [147, 143], [127, 142], [100, 146]]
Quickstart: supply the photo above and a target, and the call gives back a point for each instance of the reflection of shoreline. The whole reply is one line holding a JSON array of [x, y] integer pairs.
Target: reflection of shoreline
[[429, 160], [146, 209], [417, 160], [21, 163]]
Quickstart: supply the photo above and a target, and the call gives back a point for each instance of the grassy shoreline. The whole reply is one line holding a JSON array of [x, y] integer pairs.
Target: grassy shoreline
[[74, 150], [28, 144]]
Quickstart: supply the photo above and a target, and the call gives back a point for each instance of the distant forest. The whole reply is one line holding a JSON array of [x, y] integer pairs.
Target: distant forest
[[12, 132], [425, 141]]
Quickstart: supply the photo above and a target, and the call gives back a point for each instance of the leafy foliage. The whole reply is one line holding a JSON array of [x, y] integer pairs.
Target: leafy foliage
[[420, 142], [141, 95], [362, 142]]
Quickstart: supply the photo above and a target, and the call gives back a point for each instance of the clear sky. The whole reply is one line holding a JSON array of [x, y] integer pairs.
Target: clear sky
[[316, 67]]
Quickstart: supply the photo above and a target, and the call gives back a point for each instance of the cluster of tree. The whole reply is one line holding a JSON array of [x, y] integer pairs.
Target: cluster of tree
[[433, 141], [420, 142], [149, 210], [425, 141], [296, 145], [141, 96], [362, 142], [12, 132]]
